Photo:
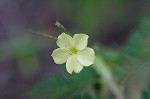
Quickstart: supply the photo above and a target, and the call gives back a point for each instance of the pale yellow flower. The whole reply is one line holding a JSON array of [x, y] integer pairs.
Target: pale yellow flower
[[74, 52]]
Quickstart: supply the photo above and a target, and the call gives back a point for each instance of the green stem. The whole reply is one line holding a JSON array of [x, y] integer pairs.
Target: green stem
[[43, 34], [101, 68]]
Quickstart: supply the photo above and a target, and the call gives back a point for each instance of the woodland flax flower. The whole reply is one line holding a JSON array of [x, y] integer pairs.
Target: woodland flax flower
[[74, 52]]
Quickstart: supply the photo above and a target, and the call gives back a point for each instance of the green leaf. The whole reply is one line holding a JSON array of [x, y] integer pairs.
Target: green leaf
[[135, 66], [146, 93], [64, 86]]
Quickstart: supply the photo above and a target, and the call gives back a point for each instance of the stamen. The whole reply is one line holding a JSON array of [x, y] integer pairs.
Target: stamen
[[73, 51]]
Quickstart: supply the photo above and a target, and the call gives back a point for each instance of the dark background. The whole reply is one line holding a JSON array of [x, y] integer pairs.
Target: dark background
[[25, 57]]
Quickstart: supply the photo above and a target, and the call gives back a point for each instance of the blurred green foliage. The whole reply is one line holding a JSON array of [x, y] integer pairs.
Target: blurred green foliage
[[24, 51], [23, 47], [18, 47], [88, 16], [60, 85], [128, 64], [146, 94]]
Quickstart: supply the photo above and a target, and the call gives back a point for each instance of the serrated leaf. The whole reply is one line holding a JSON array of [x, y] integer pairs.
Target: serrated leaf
[[61, 86]]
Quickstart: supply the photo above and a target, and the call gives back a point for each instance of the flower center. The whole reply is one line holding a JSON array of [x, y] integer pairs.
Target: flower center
[[73, 51]]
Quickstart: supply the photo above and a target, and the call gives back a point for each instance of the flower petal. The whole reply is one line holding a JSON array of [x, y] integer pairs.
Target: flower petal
[[73, 65], [64, 41], [86, 57], [60, 55], [80, 41]]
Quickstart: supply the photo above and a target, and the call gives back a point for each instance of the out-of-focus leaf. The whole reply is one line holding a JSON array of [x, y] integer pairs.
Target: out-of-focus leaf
[[146, 93], [23, 46], [61, 86], [135, 64], [110, 55]]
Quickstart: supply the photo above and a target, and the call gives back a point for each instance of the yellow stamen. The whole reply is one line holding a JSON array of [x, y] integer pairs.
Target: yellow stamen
[[73, 51]]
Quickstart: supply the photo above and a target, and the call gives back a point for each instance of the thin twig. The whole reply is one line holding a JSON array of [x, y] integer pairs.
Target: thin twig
[[42, 34]]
